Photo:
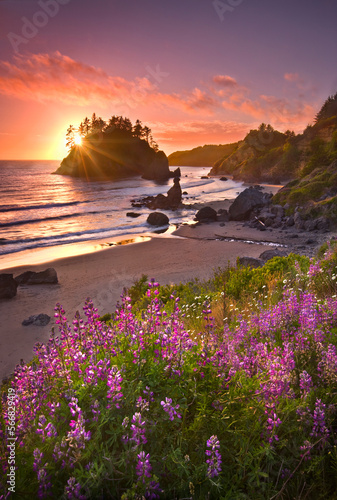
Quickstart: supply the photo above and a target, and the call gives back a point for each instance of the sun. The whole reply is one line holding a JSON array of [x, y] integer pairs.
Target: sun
[[78, 140]]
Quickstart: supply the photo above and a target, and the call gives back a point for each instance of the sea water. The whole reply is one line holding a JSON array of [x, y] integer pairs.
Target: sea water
[[39, 209]]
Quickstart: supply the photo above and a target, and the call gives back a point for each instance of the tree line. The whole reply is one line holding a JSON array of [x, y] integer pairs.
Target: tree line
[[328, 110], [96, 125]]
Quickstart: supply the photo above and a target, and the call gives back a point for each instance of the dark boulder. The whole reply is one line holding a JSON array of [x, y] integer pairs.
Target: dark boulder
[[223, 179], [278, 210], [174, 194], [37, 320], [323, 223], [133, 215], [223, 215], [8, 286], [310, 225], [250, 199], [249, 262], [47, 277], [290, 221], [270, 254], [176, 173], [298, 221], [160, 201], [157, 219], [206, 214], [158, 168]]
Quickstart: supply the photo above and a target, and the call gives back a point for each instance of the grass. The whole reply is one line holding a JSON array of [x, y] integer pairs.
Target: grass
[[224, 389]]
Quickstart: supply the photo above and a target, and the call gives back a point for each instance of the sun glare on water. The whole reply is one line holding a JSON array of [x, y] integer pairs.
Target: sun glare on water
[[78, 140]]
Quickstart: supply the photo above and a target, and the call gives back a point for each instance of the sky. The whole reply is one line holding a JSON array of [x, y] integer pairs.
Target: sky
[[195, 71]]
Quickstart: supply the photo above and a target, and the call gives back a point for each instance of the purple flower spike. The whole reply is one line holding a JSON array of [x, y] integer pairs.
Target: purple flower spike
[[214, 460]]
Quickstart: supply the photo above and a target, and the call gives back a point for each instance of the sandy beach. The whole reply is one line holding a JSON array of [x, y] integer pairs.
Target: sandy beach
[[102, 271]]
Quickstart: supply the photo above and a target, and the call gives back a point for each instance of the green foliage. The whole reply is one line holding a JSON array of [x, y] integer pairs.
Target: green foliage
[[308, 192], [328, 110], [202, 156], [232, 382], [319, 156]]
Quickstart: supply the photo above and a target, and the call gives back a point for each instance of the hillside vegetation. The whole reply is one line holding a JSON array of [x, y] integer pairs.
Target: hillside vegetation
[[203, 156], [266, 155], [221, 389]]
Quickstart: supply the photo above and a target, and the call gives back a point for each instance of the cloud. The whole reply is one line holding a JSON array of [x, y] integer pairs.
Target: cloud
[[59, 78], [292, 77], [56, 77], [280, 112], [188, 134], [225, 81]]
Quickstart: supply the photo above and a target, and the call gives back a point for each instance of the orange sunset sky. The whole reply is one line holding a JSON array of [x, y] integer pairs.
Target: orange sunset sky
[[196, 72]]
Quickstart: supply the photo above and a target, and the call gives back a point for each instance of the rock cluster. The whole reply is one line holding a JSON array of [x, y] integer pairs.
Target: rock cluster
[[9, 285], [171, 201], [256, 207]]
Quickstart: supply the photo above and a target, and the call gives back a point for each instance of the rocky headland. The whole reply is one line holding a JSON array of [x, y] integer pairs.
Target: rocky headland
[[114, 150]]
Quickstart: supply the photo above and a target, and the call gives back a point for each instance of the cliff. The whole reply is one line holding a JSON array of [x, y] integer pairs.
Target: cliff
[[203, 156], [257, 158], [266, 155], [114, 155]]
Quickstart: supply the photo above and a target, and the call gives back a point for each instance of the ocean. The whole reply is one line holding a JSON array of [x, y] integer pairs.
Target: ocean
[[38, 209]]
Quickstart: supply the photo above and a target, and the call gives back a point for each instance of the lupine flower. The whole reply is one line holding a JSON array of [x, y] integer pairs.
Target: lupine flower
[[143, 467], [214, 460], [114, 384], [138, 430], [73, 490], [305, 383], [47, 431], [171, 410], [319, 428]]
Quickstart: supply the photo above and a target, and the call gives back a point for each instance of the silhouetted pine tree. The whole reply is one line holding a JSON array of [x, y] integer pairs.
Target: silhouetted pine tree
[[328, 109]]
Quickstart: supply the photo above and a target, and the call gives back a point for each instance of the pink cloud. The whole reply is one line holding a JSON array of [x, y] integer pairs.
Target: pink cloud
[[57, 77], [280, 112], [292, 77], [225, 81], [190, 134]]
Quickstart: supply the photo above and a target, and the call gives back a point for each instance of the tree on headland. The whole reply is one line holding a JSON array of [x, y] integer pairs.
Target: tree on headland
[[70, 137], [97, 123], [120, 123], [153, 144], [147, 134], [81, 129], [138, 130], [86, 124], [328, 110]]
